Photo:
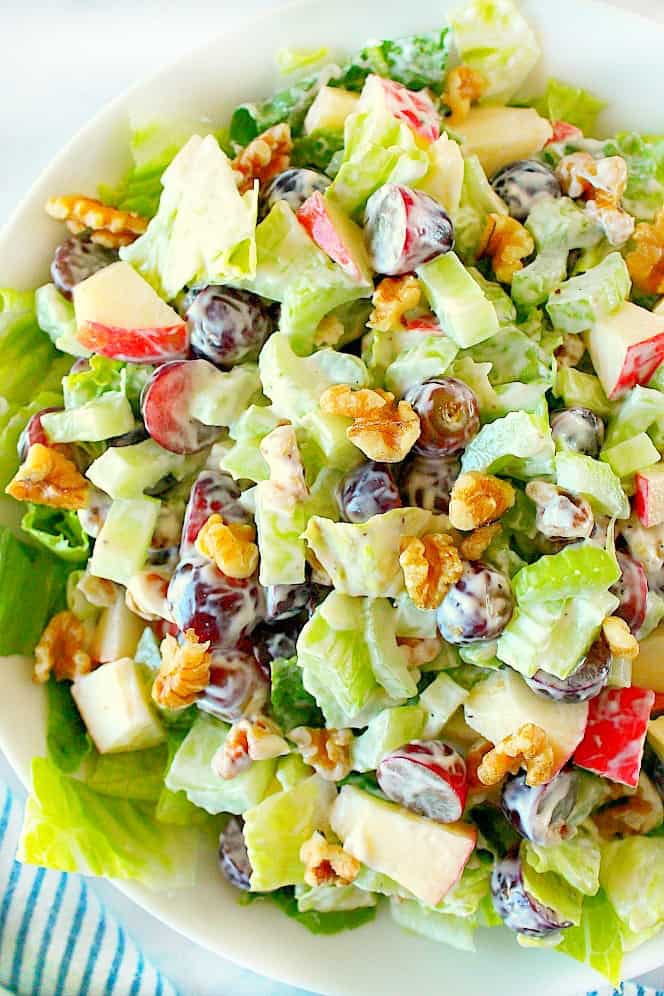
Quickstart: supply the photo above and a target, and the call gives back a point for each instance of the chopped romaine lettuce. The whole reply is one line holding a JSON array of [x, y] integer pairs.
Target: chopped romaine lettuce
[[644, 155], [103, 375], [289, 105], [632, 876], [32, 588], [552, 891], [518, 444], [453, 930], [573, 105], [514, 356], [596, 940], [577, 860], [292, 705], [317, 150], [389, 730], [55, 316], [57, 529], [291, 60], [478, 201], [465, 897], [135, 775], [417, 61], [593, 479], [67, 739], [315, 921]]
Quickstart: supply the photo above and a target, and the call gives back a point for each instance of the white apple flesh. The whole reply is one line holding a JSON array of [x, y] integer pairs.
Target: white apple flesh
[[626, 348], [336, 235], [114, 703], [649, 498]]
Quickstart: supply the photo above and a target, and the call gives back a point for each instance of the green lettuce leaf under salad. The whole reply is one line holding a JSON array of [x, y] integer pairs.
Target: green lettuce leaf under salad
[[362, 632]]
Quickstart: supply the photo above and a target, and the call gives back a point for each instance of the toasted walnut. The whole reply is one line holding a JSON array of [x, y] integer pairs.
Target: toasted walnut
[[257, 739], [474, 757], [637, 813], [329, 331], [107, 225], [646, 261], [146, 594], [473, 547], [48, 478], [419, 651], [383, 430], [570, 351], [478, 499], [63, 649], [392, 298], [619, 638], [529, 747], [184, 671], [430, 566], [230, 546], [601, 183], [263, 158], [463, 87], [507, 243], [327, 751], [327, 864]]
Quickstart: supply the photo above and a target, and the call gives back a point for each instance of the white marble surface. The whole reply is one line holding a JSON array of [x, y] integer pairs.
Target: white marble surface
[[60, 61]]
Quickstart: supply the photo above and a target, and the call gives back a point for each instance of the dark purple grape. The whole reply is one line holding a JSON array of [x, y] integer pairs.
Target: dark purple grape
[[540, 813], [404, 228], [271, 643], [75, 260], [560, 515], [449, 415], [283, 601], [632, 590], [368, 490], [524, 182], [478, 607], [585, 683], [517, 908], [34, 432], [213, 491], [227, 326], [427, 482], [294, 186], [238, 685], [233, 857], [654, 767], [220, 609], [578, 429], [136, 435]]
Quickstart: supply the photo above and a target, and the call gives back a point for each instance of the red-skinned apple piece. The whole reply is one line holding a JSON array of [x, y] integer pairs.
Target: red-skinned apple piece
[[417, 110], [564, 132], [626, 348], [612, 745], [649, 498], [118, 314], [166, 406], [338, 236]]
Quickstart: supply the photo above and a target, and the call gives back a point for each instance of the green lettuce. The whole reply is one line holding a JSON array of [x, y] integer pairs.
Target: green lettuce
[[452, 930], [58, 530], [596, 940], [518, 444], [67, 739], [313, 920], [55, 316], [577, 860], [317, 150], [289, 105], [104, 375], [478, 201], [430, 357], [561, 102], [292, 705], [291, 60], [243, 459], [137, 775], [514, 356], [416, 61], [632, 876], [32, 588], [644, 155], [390, 729], [552, 891]]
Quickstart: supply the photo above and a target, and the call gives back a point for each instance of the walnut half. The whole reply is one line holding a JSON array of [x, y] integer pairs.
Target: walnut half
[[430, 566], [46, 477], [327, 864], [327, 751], [529, 747], [184, 671], [63, 649], [478, 499], [383, 430]]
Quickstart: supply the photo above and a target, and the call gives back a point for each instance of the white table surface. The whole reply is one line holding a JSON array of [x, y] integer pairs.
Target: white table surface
[[60, 61]]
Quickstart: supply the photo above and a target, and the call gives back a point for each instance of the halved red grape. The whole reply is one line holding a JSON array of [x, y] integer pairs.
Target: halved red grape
[[578, 429], [295, 186], [405, 228], [220, 609], [75, 260], [237, 685], [584, 683], [540, 813], [280, 641], [227, 326], [524, 182], [560, 515], [212, 492], [284, 601], [517, 908], [427, 482], [632, 590], [166, 403], [34, 432], [427, 777], [233, 856], [368, 490], [449, 415], [478, 607]]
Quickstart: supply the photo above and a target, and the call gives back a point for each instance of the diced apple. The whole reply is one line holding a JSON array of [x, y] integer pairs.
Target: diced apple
[[500, 705], [649, 499], [423, 856], [119, 315], [564, 132], [648, 668], [626, 348], [500, 135], [114, 702], [444, 180], [118, 632], [417, 110], [336, 235], [612, 745], [330, 109]]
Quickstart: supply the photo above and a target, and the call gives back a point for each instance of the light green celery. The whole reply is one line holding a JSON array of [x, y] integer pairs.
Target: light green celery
[[413, 621], [461, 306], [582, 301], [654, 615], [481, 654], [441, 700], [127, 471], [577, 388], [279, 528], [122, 544], [518, 444], [431, 357], [498, 296], [223, 395], [107, 416], [597, 939], [391, 729], [244, 460], [630, 456], [514, 355], [452, 930], [561, 102], [478, 201], [577, 860], [55, 316], [558, 223], [534, 284], [518, 397], [637, 413], [582, 569], [580, 474]]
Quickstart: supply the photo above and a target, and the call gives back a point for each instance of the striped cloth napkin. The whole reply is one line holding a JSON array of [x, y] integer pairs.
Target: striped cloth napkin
[[56, 938]]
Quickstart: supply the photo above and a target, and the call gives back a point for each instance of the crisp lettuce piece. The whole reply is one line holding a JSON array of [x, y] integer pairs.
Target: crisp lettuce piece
[[27, 356], [518, 444], [630, 456], [67, 739], [315, 921], [430, 357], [289, 105], [464, 898], [135, 775], [13, 420], [500, 299], [478, 201], [582, 569], [596, 940], [576, 860], [363, 558], [244, 460], [191, 772], [32, 588], [582, 301], [55, 316], [58, 530], [104, 375], [413, 621], [291, 60], [452, 930], [561, 102], [559, 223], [583, 475], [332, 898], [70, 827], [517, 397], [494, 38], [644, 155], [460, 304], [637, 413], [292, 705], [417, 61], [632, 876], [391, 729], [534, 284], [552, 890], [276, 829], [103, 418], [292, 769], [317, 150], [204, 230], [578, 388]]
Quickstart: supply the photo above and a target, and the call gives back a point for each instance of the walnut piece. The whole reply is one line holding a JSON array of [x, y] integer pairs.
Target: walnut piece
[[474, 757], [256, 739], [146, 594], [419, 651], [622, 643], [327, 751], [392, 298], [478, 499], [383, 430], [327, 864], [107, 225], [184, 671], [430, 566], [507, 243], [264, 157], [638, 812], [229, 545], [646, 261], [529, 747], [601, 183], [63, 649], [473, 547], [463, 87], [570, 351], [48, 478]]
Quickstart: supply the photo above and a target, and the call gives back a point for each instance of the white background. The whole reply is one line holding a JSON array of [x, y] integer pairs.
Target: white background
[[60, 61]]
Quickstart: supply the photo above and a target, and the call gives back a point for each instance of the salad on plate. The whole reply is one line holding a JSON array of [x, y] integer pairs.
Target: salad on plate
[[336, 444]]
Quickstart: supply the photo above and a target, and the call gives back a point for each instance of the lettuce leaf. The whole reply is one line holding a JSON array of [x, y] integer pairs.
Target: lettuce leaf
[[292, 705], [290, 105], [644, 155], [57, 529], [67, 739], [453, 930], [105, 375], [316, 151], [417, 61], [315, 921], [577, 860], [632, 876], [596, 940], [137, 775], [561, 102], [519, 445], [32, 588]]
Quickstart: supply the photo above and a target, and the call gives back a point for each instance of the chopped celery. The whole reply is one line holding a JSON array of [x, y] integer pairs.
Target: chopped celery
[[122, 544], [127, 471], [518, 444], [389, 730], [103, 418], [577, 570], [582, 475], [582, 301], [578, 388], [533, 285], [463, 310], [630, 456]]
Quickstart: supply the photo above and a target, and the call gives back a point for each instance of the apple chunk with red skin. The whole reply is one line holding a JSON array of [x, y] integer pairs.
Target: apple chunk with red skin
[[118, 314], [649, 498], [626, 348], [336, 235], [613, 742]]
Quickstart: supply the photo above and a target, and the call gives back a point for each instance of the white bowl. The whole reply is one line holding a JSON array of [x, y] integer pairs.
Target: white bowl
[[615, 54]]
